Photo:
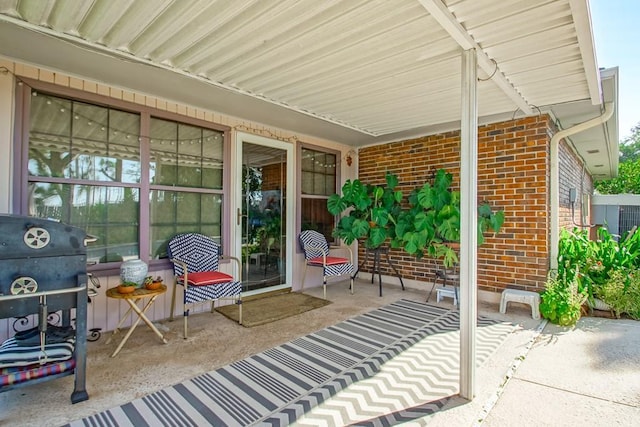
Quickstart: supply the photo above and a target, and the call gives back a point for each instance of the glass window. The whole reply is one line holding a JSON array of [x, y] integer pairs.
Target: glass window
[[318, 182], [85, 169]]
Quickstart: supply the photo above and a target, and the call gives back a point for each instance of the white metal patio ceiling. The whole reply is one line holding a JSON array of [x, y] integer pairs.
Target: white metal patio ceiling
[[353, 71]]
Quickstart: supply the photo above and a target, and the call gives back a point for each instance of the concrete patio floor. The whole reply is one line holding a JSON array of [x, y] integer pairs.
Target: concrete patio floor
[[540, 375]]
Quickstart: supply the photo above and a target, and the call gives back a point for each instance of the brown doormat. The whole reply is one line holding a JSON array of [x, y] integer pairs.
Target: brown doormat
[[269, 309]]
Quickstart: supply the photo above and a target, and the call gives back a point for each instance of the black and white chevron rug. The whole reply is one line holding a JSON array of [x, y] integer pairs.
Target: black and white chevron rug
[[394, 364]]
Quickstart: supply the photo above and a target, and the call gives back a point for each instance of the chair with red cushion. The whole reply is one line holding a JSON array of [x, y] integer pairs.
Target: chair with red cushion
[[316, 254], [195, 266]]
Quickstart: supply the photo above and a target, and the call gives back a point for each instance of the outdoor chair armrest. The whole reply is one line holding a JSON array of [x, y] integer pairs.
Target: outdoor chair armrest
[[343, 248], [237, 261], [185, 270]]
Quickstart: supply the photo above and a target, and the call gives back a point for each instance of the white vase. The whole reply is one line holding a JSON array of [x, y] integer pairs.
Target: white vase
[[133, 270]]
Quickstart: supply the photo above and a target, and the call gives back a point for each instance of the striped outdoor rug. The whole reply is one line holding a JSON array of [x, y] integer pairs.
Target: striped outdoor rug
[[394, 364]]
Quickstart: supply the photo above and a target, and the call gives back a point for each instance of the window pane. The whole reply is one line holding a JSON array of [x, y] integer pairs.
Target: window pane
[[49, 136], [318, 173], [174, 212], [76, 144], [319, 181], [212, 159], [89, 143], [189, 156], [185, 155], [110, 213], [307, 183], [315, 216], [164, 153]]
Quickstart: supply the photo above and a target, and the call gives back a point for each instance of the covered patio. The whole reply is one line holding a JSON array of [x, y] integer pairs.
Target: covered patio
[[146, 366], [337, 76]]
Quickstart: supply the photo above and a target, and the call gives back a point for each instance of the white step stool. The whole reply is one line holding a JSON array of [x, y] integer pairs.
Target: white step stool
[[447, 292], [256, 258], [525, 297]]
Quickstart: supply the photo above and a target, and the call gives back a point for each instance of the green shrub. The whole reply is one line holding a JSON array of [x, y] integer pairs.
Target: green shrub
[[622, 292], [561, 301], [591, 262]]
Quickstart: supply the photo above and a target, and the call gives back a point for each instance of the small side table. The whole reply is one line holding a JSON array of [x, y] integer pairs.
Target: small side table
[[132, 299]]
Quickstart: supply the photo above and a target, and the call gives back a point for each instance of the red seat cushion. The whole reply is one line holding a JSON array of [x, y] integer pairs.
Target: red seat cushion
[[204, 278], [331, 260]]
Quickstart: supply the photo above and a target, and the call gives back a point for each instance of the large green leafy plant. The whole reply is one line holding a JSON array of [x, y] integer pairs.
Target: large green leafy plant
[[432, 221], [371, 211]]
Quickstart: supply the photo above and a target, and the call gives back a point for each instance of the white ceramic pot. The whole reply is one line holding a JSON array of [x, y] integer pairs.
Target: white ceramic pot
[[133, 270]]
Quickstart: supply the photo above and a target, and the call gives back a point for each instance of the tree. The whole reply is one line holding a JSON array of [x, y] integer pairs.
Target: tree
[[628, 180], [630, 147]]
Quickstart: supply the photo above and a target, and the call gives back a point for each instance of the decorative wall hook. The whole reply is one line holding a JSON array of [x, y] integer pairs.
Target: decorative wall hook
[[349, 157]]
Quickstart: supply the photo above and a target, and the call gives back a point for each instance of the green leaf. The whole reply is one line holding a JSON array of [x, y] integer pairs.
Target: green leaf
[[380, 216], [377, 236], [425, 197], [497, 220], [392, 180], [377, 193], [335, 204]]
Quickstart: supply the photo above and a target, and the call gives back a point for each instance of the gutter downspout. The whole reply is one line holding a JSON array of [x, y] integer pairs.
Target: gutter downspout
[[555, 176]]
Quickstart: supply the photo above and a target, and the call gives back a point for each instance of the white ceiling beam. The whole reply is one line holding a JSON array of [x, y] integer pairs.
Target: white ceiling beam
[[582, 22], [450, 24]]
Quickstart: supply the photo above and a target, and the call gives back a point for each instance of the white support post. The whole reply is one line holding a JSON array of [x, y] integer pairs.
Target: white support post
[[7, 107], [468, 223]]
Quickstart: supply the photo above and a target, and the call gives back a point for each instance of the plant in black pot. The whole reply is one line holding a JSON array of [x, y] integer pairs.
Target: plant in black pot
[[371, 211], [431, 224]]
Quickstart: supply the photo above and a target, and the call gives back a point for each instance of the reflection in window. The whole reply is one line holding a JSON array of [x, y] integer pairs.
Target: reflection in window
[[185, 155], [81, 141], [174, 212], [104, 212], [85, 169], [318, 183]]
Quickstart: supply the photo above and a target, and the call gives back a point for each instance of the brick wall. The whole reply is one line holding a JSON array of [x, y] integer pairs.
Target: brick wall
[[572, 176], [513, 171]]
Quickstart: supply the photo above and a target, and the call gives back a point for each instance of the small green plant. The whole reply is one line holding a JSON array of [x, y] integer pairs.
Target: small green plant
[[621, 292], [561, 301]]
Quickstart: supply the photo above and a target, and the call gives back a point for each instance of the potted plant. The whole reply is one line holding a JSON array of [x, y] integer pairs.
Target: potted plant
[[371, 211], [431, 224], [127, 287], [152, 283]]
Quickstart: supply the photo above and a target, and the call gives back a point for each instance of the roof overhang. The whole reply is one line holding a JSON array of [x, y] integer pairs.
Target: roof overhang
[[358, 72], [598, 146]]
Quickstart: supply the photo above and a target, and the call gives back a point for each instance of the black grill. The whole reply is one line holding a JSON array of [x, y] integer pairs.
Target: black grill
[[43, 271]]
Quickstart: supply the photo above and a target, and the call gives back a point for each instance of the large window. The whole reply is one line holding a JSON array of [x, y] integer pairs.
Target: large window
[[127, 177], [318, 182], [188, 160]]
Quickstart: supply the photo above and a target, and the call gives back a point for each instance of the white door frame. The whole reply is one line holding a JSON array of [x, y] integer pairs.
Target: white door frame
[[236, 202]]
